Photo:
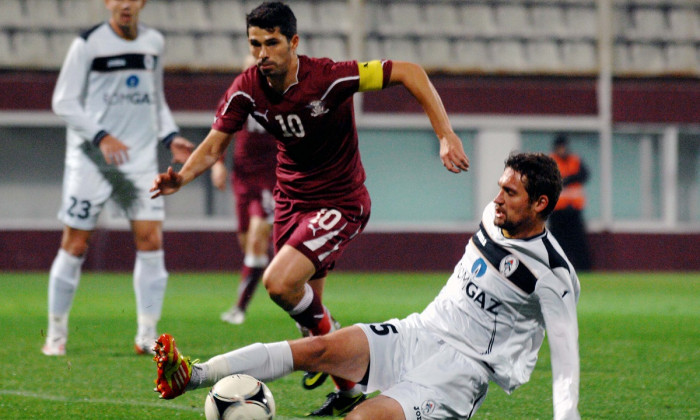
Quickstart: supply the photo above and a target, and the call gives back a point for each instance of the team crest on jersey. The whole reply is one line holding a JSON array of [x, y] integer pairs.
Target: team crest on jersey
[[132, 81], [427, 407], [508, 265], [318, 108]]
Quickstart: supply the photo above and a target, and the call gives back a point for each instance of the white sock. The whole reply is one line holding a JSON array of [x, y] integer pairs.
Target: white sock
[[256, 261], [262, 361], [63, 282], [150, 279]]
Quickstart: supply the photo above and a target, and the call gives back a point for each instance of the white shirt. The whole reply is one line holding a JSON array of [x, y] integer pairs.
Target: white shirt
[[114, 85], [497, 303]]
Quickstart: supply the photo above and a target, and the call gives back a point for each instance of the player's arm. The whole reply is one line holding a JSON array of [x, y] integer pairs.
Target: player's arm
[[415, 80], [67, 102], [203, 158], [558, 305]]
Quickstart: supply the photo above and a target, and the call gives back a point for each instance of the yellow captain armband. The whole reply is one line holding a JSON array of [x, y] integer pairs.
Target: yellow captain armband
[[371, 75]]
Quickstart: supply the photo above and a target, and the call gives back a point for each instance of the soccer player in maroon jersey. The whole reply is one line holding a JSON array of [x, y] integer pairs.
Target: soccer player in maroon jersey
[[321, 199]]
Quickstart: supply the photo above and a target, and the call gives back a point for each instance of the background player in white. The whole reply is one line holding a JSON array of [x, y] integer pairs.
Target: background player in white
[[110, 94], [486, 324]]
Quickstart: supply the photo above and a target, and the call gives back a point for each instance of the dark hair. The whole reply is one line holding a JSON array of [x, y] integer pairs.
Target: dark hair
[[560, 140], [541, 176], [271, 15]]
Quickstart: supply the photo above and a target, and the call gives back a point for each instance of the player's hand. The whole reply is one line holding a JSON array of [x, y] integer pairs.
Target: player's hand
[[166, 183], [452, 154], [218, 175], [114, 151], [181, 148]]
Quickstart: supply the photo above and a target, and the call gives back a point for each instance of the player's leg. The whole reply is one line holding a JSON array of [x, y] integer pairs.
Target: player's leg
[[83, 196], [344, 352], [63, 283], [377, 408], [150, 280], [255, 242]]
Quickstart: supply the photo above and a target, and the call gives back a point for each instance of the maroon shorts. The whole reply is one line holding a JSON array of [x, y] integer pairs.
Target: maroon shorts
[[252, 199], [322, 231]]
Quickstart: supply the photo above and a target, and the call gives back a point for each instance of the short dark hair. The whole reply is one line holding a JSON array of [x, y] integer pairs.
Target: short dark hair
[[560, 140], [271, 15], [541, 177]]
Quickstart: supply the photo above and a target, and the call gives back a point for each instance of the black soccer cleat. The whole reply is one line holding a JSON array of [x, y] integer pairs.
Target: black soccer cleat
[[338, 405], [312, 380]]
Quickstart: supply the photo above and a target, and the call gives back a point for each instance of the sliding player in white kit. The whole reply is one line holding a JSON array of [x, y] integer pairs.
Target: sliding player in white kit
[[487, 323], [110, 94]]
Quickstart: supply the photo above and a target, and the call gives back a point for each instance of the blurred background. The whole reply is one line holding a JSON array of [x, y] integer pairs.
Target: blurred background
[[620, 79]]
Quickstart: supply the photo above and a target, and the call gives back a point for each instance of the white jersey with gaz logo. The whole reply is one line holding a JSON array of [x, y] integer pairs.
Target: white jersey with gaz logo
[[113, 85], [499, 300]]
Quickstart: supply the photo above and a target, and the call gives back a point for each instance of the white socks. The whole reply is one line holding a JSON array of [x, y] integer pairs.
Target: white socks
[[63, 282], [150, 279], [262, 361], [256, 261]]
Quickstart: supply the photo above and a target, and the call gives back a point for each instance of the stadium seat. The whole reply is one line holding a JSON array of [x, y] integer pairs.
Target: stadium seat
[[477, 19], [181, 51], [333, 16], [684, 23], [649, 23], [82, 14], [333, 47], [403, 49], [436, 53], [189, 15], [443, 19], [43, 14], [471, 55], [227, 15], [579, 57], [158, 14], [548, 20], [647, 58], [507, 56], [11, 14], [512, 19], [305, 12], [32, 49], [60, 42], [6, 53], [543, 56], [374, 49], [218, 52], [622, 60], [581, 21], [683, 58], [404, 19]]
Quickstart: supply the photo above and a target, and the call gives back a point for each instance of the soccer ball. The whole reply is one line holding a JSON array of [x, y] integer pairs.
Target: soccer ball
[[239, 397]]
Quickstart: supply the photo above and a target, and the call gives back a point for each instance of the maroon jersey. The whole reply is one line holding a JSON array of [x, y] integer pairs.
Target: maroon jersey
[[254, 155], [313, 121]]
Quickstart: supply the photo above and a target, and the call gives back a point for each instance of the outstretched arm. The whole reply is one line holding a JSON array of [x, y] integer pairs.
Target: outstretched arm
[[204, 156], [414, 78]]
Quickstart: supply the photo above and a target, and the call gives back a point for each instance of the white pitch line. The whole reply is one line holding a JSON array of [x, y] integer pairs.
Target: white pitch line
[[48, 397]]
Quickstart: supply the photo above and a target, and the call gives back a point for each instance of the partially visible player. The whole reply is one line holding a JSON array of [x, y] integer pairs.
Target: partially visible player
[[321, 201], [487, 324], [110, 94], [252, 180]]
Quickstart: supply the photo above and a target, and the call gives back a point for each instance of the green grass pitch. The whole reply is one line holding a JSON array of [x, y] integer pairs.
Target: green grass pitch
[[639, 343]]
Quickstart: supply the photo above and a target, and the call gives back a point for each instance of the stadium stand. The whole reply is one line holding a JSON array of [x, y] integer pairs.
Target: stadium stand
[[651, 37]]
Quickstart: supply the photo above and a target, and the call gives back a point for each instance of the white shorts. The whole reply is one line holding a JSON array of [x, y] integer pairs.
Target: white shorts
[[429, 378], [86, 191]]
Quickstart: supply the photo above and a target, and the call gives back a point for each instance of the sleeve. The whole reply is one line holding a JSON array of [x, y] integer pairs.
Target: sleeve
[[558, 304], [167, 128], [234, 108], [68, 95]]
